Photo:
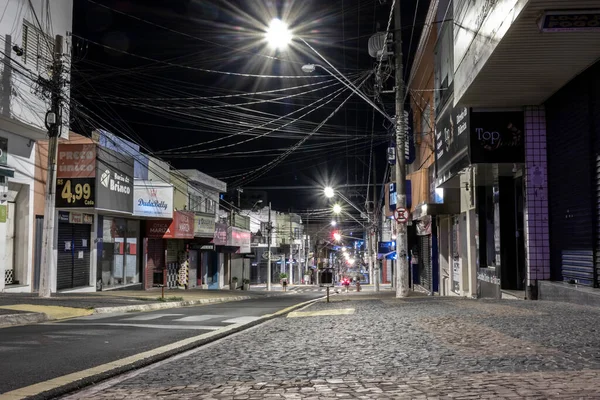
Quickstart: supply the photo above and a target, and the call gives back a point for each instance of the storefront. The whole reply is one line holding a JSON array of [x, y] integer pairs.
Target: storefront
[[165, 248], [16, 212], [153, 201], [239, 264], [215, 261], [202, 252], [94, 180], [481, 153], [73, 250]]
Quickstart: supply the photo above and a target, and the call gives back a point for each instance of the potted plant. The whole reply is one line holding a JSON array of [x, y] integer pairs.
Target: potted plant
[[234, 282], [246, 283]]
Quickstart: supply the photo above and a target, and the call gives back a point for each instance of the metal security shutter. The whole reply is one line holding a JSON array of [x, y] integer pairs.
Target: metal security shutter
[[570, 177], [155, 261], [425, 261], [73, 269], [81, 255], [64, 270]]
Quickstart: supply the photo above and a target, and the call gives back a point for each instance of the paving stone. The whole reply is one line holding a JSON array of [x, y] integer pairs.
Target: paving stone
[[415, 348]]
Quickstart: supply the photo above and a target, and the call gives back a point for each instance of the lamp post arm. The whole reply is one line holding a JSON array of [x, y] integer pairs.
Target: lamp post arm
[[346, 82]]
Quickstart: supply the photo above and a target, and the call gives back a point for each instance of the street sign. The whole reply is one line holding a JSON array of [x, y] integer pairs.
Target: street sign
[[401, 215]]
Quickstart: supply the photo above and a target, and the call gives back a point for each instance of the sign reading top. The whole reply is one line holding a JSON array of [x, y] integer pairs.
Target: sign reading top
[[570, 21]]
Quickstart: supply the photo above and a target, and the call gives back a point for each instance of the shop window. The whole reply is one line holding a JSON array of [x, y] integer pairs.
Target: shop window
[[210, 206], [195, 203], [119, 254]]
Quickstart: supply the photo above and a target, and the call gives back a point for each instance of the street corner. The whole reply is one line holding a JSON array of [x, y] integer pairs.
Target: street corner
[[51, 313]]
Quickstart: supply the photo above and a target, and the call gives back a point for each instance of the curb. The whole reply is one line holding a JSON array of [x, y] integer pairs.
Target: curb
[[8, 320], [170, 304], [113, 368]]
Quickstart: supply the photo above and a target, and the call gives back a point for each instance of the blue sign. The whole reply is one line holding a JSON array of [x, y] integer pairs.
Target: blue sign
[[386, 247]]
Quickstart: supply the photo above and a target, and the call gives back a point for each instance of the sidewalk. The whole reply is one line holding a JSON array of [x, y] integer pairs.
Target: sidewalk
[[27, 308]]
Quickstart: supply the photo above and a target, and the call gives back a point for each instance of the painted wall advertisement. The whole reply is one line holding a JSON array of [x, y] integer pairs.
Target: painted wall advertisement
[[204, 225], [497, 137], [76, 176], [152, 199], [220, 236]]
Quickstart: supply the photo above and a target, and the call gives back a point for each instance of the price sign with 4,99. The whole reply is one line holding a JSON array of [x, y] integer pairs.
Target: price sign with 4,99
[[75, 192]]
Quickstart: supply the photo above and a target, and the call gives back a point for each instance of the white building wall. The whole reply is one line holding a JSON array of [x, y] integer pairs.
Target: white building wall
[[24, 105], [479, 25]]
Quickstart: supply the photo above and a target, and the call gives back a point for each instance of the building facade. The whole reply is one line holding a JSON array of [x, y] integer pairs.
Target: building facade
[[28, 51], [514, 138]]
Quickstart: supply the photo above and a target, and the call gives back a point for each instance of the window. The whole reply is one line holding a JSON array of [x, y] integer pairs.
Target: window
[[210, 206], [196, 203], [38, 48]]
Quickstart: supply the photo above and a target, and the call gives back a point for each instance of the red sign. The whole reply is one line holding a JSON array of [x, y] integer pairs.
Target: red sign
[[401, 215], [180, 227], [220, 237], [76, 161]]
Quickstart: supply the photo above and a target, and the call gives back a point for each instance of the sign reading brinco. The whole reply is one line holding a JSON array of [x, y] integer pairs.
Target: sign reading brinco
[[451, 137], [497, 137], [152, 199], [114, 181]]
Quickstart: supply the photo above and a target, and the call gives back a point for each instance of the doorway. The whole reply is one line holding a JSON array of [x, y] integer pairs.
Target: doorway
[[512, 233]]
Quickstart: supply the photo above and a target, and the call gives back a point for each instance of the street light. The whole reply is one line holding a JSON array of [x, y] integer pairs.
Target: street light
[[337, 208], [278, 34], [333, 223], [329, 192], [337, 237]]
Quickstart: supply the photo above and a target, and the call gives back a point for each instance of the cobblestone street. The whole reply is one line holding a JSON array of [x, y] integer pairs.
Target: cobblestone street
[[359, 346]]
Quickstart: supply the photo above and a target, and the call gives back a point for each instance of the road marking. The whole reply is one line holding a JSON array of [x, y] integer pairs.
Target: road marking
[[151, 326], [149, 317], [301, 314], [198, 318], [241, 320], [102, 316]]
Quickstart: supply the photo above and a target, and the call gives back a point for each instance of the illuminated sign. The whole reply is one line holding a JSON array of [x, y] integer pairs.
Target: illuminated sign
[[570, 21], [152, 199]]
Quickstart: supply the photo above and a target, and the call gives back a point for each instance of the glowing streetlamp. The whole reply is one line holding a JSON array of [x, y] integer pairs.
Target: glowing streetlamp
[[337, 237], [333, 223], [278, 34], [329, 192], [337, 208]]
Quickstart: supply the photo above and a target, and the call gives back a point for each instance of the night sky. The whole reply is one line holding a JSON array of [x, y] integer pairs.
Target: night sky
[[166, 74]]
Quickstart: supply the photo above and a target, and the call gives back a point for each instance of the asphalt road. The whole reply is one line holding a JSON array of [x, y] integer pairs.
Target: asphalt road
[[36, 353]]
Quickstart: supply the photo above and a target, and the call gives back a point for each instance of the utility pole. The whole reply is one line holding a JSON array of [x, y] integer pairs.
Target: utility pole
[[401, 238], [375, 224], [53, 125], [269, 229]]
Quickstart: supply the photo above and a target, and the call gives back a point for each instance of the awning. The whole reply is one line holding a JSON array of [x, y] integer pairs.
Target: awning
[[7, 172]]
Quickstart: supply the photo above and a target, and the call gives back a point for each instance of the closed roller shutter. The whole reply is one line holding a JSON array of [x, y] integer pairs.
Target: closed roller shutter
[[425, 261], [64, 269], [570, 189], [81, 255], [73, 269]]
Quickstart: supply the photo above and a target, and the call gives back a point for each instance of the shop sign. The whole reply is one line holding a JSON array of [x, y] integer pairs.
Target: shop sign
[[114, 181], [239, 238], [497, 137], [570, 21], [80, 218], [76, 161], [75, 192], [220, 236], [3, 213], [451, 137], [180, 227], [151, 199], [3, 151], [204, 225]]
